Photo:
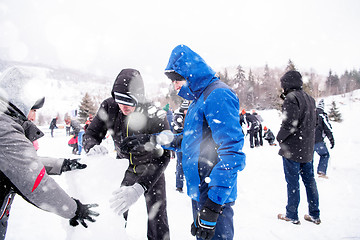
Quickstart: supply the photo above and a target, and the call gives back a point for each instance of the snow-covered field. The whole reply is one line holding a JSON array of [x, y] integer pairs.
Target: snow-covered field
[[261, 192]]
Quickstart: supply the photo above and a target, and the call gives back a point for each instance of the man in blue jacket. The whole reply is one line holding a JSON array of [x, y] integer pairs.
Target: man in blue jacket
[[212, 143]]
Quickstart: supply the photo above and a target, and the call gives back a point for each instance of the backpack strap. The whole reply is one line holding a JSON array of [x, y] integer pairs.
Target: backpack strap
[[213, 86]]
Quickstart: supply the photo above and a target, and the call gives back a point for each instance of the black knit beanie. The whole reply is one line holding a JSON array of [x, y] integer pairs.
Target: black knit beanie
[[291, 80], [128, 88]]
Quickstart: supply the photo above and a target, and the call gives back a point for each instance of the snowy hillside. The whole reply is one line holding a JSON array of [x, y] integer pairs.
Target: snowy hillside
[[261, 192]]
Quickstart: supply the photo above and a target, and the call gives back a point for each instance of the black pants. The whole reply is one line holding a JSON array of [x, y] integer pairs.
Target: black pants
[[155, 197]]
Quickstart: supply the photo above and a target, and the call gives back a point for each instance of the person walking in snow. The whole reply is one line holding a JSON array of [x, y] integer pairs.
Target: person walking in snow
[[22, 171], [178, 126], [323, 128], [212, 153], [296, 138], [53, 125], [126, 115], [269, 136]]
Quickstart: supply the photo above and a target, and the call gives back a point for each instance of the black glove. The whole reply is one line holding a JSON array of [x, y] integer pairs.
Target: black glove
[[332, 143], [138, 144], [72, 164], [82, 213], [205, 222]]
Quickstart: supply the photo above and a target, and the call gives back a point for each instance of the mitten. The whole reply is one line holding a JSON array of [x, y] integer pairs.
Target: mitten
[[72, 164], [97, 150], [205, 222], [83, 213], [125, 196]]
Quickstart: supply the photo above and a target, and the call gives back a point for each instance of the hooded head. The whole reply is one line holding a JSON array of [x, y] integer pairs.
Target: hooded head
[[17, 86], [187, 64], [291, 80], [128, 88], [321, 104]]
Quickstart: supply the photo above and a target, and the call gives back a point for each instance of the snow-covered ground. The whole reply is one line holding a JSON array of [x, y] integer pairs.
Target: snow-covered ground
[[261, 192]]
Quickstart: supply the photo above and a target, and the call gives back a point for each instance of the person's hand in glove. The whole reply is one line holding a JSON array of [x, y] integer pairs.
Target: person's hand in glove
[[97, 150], [204, 225], [125, 196], [72, 164], [332, 143], [138, 144], [83, 213]]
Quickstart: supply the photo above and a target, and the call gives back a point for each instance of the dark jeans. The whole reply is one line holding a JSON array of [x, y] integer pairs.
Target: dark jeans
[[224, 229], [155, 197], [179, 171], [323, 152], [292, 172]]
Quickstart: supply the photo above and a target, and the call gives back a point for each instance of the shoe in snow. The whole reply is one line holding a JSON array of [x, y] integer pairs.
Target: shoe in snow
[[285, 218], [309, 218], [322, 175], [180, 190]]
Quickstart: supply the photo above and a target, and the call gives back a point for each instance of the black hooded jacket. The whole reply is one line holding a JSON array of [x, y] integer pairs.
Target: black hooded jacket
[[297, 132], [110, 118]]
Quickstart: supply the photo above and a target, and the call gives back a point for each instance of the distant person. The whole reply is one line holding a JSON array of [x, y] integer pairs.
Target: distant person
[[323, 129], [21, 169], [67, 125], [260, 120], [297, 139], [269, 136], [53, 125], [252, 125]]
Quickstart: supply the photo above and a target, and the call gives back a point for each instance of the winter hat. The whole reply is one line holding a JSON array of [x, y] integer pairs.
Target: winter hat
[[184, 106], [243, 112], [128, 88], [166, 108], [39, 103], [291, 80], [321, 104], [19, 87], [265, 128]]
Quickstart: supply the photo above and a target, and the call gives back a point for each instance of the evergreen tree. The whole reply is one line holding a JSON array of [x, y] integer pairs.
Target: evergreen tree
[[290, 66], [333, 83], [334, 113], [87, 106]]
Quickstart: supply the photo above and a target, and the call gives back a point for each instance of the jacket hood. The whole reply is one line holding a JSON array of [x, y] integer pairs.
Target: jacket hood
[[129, 84], [18, 86], [291, 80], [193, 68]]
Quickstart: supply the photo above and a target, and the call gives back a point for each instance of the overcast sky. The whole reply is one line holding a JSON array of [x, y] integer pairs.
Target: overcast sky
[[105, 36]]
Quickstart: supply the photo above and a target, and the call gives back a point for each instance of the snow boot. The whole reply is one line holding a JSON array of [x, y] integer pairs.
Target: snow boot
[[309, 218], [322, 175], [285, 218]]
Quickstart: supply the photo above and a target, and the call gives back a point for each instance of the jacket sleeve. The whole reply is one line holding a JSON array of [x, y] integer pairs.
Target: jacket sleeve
[[327, 127], [52, 165], [290, 118], [97, 129], [21, 165], [222, 114], [158, 165]]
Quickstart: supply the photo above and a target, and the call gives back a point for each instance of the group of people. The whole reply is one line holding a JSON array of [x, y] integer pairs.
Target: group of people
[[208, 134], [253, 125]]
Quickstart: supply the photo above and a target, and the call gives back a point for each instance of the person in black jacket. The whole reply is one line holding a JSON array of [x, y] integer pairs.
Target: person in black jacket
[[126, 115], [296, 138], [252, 125], [53, 126], [323, 129], [269, 136]]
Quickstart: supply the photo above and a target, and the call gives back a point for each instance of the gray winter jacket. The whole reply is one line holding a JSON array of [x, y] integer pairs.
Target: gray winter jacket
[[21, 170]]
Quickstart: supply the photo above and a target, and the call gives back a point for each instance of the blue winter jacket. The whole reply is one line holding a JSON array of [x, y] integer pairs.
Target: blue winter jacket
[[212, 137]]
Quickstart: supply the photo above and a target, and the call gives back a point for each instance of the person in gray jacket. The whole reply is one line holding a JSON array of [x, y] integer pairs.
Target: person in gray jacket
[[22, 172]]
